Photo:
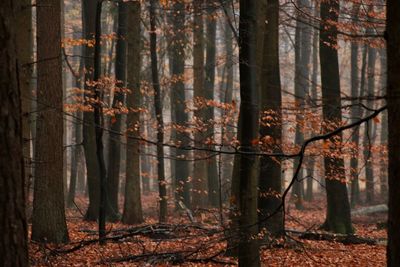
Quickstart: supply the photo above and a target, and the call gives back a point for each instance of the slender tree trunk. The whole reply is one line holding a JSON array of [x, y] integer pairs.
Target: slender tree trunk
[[76, 151], [89, 135], [249, 109], [200, 173], [178, 95], [393, 102], [212, 172], [25, 49], [13, 227], [355, 115], [338, 217], [159, 114], [48, 217], [384, 130], [133, 205], [114, 159], [368, 131], [270, 180], [301, 85]]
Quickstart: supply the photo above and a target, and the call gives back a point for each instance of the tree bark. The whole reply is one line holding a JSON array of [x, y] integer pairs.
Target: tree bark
[[48, 217], [338, 217], [13, 227], [249, 123], [200, 173], [89, 135], [114, 150], [159, 114], [393, 103], [270, 180], [133, 205]]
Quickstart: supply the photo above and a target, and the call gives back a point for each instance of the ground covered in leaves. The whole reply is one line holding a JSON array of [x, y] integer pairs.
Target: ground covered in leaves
[[184, 243]]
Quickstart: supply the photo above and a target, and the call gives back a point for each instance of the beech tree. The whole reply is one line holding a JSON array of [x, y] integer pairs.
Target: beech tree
[[338, 217], [48, 217], [13, 226]]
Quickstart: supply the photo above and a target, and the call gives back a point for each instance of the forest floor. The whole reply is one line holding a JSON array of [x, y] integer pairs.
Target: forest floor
[[181, 242]]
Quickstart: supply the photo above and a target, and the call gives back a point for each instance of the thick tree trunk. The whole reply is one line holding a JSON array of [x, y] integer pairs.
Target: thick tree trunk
[[89, 135], [270, 180], [338, 217], [133, 205], [249, 109], [13, 227], [200, 173], [393, 102], [48, 217]]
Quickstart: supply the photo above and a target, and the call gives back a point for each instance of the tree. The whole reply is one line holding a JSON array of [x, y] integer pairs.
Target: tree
[[393, 104], [114, 158], [209, 71], [48, 217], [13, 227], [178, 100], [249, 123], [355, 113], [89, 136], [132, 203], [301, 86], [270, 169], [338, 217], [159, 114], [200, 173]]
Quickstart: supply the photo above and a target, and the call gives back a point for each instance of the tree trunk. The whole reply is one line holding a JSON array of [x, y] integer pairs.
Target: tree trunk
[[114, 150], [200, 173], [393, 102], [89, 135], [212, 172], [48, 217], [338, 217], [369, 132], [133, 205], [159, 115], [384, 130], [270, 180], [182, 191], [13, 227], [355, 115], [249, 109], [25, 47]]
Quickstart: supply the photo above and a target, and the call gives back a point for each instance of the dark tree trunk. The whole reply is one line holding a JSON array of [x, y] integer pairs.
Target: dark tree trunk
[[13, 227], [114, 150], [89, 135], [200, 173], [182, 190], [159, 114], [249, 111], [270, 181], [133, 206], [338, 217], [48, 217], [393, 102], [384, 130]]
